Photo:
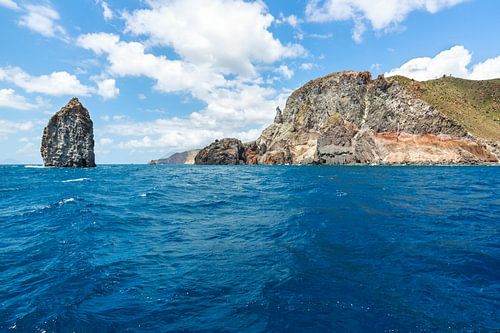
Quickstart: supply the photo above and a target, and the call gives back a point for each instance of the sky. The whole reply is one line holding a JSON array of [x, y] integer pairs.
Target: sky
[[165, 76]]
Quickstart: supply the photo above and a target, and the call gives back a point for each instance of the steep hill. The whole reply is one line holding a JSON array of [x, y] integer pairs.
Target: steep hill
[[473, 104]]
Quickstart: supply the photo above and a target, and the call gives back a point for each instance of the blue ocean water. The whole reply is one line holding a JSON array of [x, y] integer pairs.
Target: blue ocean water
[[250, 249]]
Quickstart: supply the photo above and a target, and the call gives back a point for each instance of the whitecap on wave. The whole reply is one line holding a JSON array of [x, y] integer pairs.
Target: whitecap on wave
[[34, 166], [64, 201], [75, 180]]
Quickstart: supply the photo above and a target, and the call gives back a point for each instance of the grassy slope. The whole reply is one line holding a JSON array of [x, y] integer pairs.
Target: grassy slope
[[473, 104]]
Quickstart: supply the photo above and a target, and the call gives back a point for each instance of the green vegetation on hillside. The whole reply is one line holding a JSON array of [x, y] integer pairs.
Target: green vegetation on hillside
[[473, 104]]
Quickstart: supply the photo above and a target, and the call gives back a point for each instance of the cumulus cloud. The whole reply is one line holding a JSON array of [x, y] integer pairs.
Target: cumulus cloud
[[202, 82], [456, 62], [9, 4], [131, 59], [381, 14], [489, 69], [107, 89], [54, 84], [198, 32], [9, 99], [42, 19]]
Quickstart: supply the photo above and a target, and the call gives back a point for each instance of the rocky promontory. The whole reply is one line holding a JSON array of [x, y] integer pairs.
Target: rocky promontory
[[350, 118], [225, 151], [68, 139]]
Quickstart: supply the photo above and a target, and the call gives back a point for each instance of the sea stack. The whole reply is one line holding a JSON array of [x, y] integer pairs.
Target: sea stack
[[68, 139]]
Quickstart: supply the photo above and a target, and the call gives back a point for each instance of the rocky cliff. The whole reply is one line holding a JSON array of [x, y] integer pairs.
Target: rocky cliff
[[349, 118], [225, 151], [68, 139]]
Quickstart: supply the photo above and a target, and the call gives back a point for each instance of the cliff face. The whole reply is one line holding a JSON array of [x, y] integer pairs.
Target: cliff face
[[348, 118], [68, 139]]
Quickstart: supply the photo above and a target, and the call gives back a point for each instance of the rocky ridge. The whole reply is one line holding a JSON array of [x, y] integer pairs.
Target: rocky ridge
[[68, 138], [349, 118]]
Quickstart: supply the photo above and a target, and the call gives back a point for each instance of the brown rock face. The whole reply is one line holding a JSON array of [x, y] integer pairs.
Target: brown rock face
[[345, 118], [68, 139], [225, 151]]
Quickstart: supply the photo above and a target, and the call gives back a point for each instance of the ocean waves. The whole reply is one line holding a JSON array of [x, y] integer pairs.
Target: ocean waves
[[76, 180], [172, 248]]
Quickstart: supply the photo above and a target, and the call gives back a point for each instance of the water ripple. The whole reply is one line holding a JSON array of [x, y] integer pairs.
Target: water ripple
[[254, 249]]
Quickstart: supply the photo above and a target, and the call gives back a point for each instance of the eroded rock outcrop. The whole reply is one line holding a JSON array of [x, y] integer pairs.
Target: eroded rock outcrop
[[225, 151], [348, 118], [68, 139]]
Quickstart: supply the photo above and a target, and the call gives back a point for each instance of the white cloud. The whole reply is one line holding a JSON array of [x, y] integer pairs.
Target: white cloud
[[382, 14], [455, 61], [285, 71], [43, 20], [141, 97], [489, 69], [8, 127], [107, 89], [55, 84], [107, 13], [9, 4], [9, 99], [228, 35], [292, 20], [130, 59]]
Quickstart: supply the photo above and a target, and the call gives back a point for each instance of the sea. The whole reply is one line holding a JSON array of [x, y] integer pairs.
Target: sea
[[138, 248]]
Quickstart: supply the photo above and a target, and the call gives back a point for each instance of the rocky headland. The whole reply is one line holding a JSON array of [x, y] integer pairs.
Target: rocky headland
[[350, 118], [68, 139]]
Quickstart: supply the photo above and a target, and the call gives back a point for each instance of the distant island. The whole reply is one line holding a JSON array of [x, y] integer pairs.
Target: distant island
[[350, 118]]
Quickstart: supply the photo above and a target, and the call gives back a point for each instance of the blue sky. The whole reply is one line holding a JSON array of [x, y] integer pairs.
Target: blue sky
[[162, 76]]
